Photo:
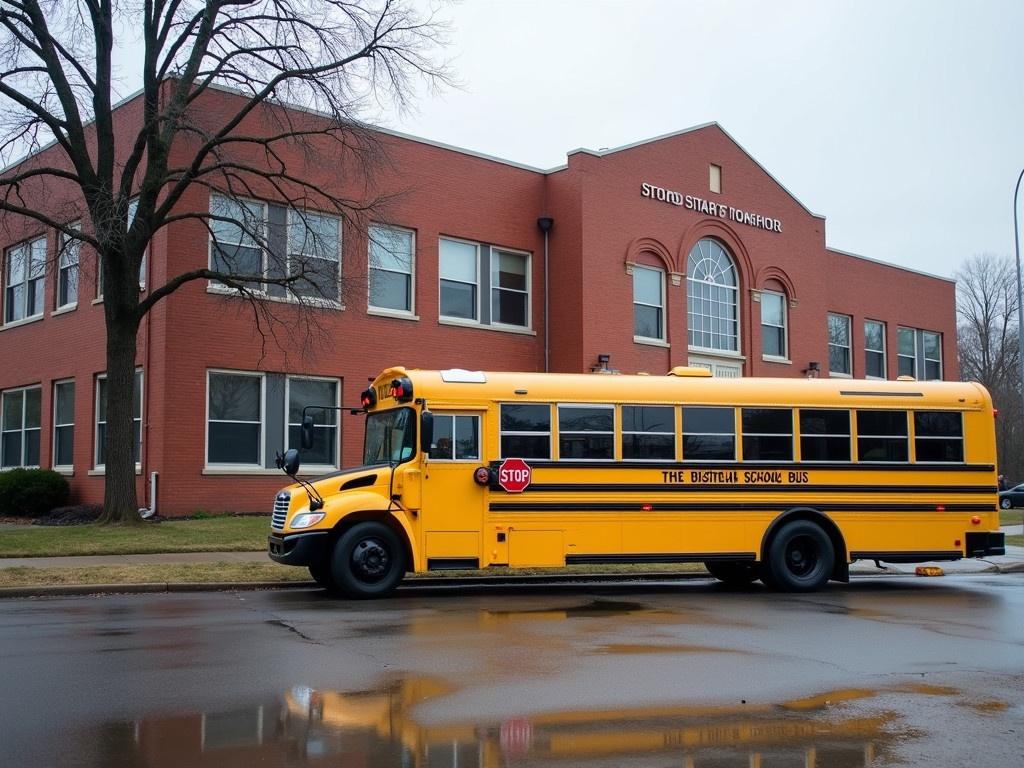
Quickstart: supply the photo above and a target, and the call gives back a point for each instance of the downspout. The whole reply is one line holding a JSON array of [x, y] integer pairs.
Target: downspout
[[545, 223]]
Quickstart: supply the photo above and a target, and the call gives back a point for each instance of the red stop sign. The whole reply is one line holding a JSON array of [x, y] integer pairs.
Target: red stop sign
[[514, 475]]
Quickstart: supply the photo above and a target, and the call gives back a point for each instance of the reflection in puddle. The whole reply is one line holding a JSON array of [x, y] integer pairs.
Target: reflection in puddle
[[378, 729]]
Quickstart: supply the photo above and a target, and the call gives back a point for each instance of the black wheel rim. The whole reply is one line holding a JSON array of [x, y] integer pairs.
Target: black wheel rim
[[802, 556], [371, 560]]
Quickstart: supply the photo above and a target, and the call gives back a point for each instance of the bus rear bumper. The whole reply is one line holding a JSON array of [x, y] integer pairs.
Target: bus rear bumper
[[985, 543], [298, 549]]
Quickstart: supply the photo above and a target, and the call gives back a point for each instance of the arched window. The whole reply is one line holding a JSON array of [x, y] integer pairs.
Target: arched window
[[712, 310]]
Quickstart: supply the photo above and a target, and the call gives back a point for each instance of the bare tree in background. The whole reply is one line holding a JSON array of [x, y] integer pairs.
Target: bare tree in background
[[333, 59], [989, 347]]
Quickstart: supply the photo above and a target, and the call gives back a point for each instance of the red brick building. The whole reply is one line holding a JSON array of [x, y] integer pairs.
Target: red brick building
[[676, 250]]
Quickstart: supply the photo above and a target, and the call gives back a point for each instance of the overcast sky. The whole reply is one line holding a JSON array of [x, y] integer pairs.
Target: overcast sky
[[900, 122]]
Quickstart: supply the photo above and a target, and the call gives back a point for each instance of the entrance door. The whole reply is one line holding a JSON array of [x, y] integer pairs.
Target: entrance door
[[453, 503], [723, 368]]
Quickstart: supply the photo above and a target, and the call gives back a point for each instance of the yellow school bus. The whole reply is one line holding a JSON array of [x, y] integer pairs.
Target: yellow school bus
[[783, 480]]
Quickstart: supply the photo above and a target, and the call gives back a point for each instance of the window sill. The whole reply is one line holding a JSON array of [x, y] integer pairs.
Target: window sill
[[220, 290], [66, 471], [215, 471], [648, 342], [23, 321], [64, 310], [392, 313], [480, 326], [97, 300], [725, 354], [779, 360], [835, 375], [101, 471]]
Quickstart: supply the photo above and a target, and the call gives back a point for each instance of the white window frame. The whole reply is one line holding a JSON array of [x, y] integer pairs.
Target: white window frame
[[849, 347], [27, 247], [218, 287], [68, 247], [913, 335], [924, 353], [453, 415], [97, 467], [495, 249], [292, 295], [337, 419], [660, 338], [579, 406], [57, 383], [735, 289], [22, 429], [263, 421], [882, 351], [411, 311], [440, 309], [784, 357]]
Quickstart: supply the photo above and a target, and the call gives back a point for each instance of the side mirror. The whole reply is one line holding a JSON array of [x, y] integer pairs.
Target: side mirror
[[426, 432], [307, 432], [289, 463]]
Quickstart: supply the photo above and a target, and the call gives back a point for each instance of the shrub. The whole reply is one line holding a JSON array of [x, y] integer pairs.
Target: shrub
[[80, 514], [31, 492]]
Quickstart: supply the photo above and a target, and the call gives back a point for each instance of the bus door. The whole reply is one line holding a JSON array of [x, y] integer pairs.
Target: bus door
[[453, 503]]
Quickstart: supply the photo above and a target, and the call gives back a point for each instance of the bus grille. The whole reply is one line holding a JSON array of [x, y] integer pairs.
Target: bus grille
[[280, 510]]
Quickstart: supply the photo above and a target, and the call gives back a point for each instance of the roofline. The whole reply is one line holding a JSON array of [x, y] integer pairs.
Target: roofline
[[889, 264], [712, 124]]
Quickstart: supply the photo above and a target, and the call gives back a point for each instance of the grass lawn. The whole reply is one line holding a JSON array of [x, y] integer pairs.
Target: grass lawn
[[1011, 516], [219, 534], [1015, 541]]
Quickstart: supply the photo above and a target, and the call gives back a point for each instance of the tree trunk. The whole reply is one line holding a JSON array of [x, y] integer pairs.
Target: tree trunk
[[120, 501]]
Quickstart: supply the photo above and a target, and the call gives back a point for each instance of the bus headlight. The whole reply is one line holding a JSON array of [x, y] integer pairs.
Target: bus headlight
[[306, 519]]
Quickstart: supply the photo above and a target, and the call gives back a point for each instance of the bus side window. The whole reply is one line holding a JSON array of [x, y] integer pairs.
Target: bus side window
[[648, 432], [824, 435], [767, 434], [586, 432], [456, 437], [709, 434], [882, 436], [526, 430], [939, 437]]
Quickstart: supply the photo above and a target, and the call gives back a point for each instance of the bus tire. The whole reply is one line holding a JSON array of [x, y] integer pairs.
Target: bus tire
[[800, 558], [321, 573], [735, 573], [368, 561]]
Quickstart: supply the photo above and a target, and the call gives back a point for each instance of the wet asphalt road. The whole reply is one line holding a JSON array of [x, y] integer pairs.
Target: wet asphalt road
[[885, 671]]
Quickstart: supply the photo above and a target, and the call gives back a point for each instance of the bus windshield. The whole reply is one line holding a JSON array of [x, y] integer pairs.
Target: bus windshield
[[390, 437]]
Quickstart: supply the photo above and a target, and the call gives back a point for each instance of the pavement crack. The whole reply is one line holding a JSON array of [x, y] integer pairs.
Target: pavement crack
[[292, 628]]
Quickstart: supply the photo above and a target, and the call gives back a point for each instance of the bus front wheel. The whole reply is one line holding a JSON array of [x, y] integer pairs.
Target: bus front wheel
[[800, 558], [368, 561], [735, 573], [321, 573]]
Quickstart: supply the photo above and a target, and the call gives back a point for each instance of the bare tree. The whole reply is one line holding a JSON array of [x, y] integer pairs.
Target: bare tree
[[130, 176], [989, 347]]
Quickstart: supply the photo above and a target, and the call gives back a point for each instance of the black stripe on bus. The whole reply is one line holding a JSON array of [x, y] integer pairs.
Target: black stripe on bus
[[752, 466], [792, 488], [665, 557], [908, 557], [713, 506]]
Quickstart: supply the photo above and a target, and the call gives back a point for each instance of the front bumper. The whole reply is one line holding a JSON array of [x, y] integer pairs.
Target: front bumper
[[298, 548], [985, 543]]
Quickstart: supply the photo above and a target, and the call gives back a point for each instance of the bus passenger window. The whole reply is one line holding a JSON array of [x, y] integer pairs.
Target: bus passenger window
[[526, 431], [709, 434], [463, 445], [882, 436], [824, 435], [767, 434], [586, 432], [939, 437], [648, 432]]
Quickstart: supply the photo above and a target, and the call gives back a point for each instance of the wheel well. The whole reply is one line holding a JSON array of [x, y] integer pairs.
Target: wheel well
[[376, 516], [841, 569]]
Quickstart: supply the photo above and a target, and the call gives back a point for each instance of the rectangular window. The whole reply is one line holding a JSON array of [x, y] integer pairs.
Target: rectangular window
[[939, 437], [906, 352], [874, 349], [526, 431], [391, 269], [773, 325], [586, 432], [648, 433], [301, 393], [824, 435], [648, 303], [932, 343], [456, 437], [767, 434], [882, 436], [21, 426], [63, 423], [236, 236], [101, 418], [839, 345], [133, 207], [314, 254], [460, 279], [24, 280], [715, 178], [510, 294], [709, 434], [67, 269], [234, 418]]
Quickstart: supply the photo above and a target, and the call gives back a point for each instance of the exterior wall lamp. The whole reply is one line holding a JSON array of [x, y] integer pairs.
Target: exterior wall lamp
[[602, 366], [813, 370]]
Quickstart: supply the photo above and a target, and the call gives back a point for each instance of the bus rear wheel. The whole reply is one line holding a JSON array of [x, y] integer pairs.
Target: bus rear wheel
[[800, 558], [368, 561], [735, 573]]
